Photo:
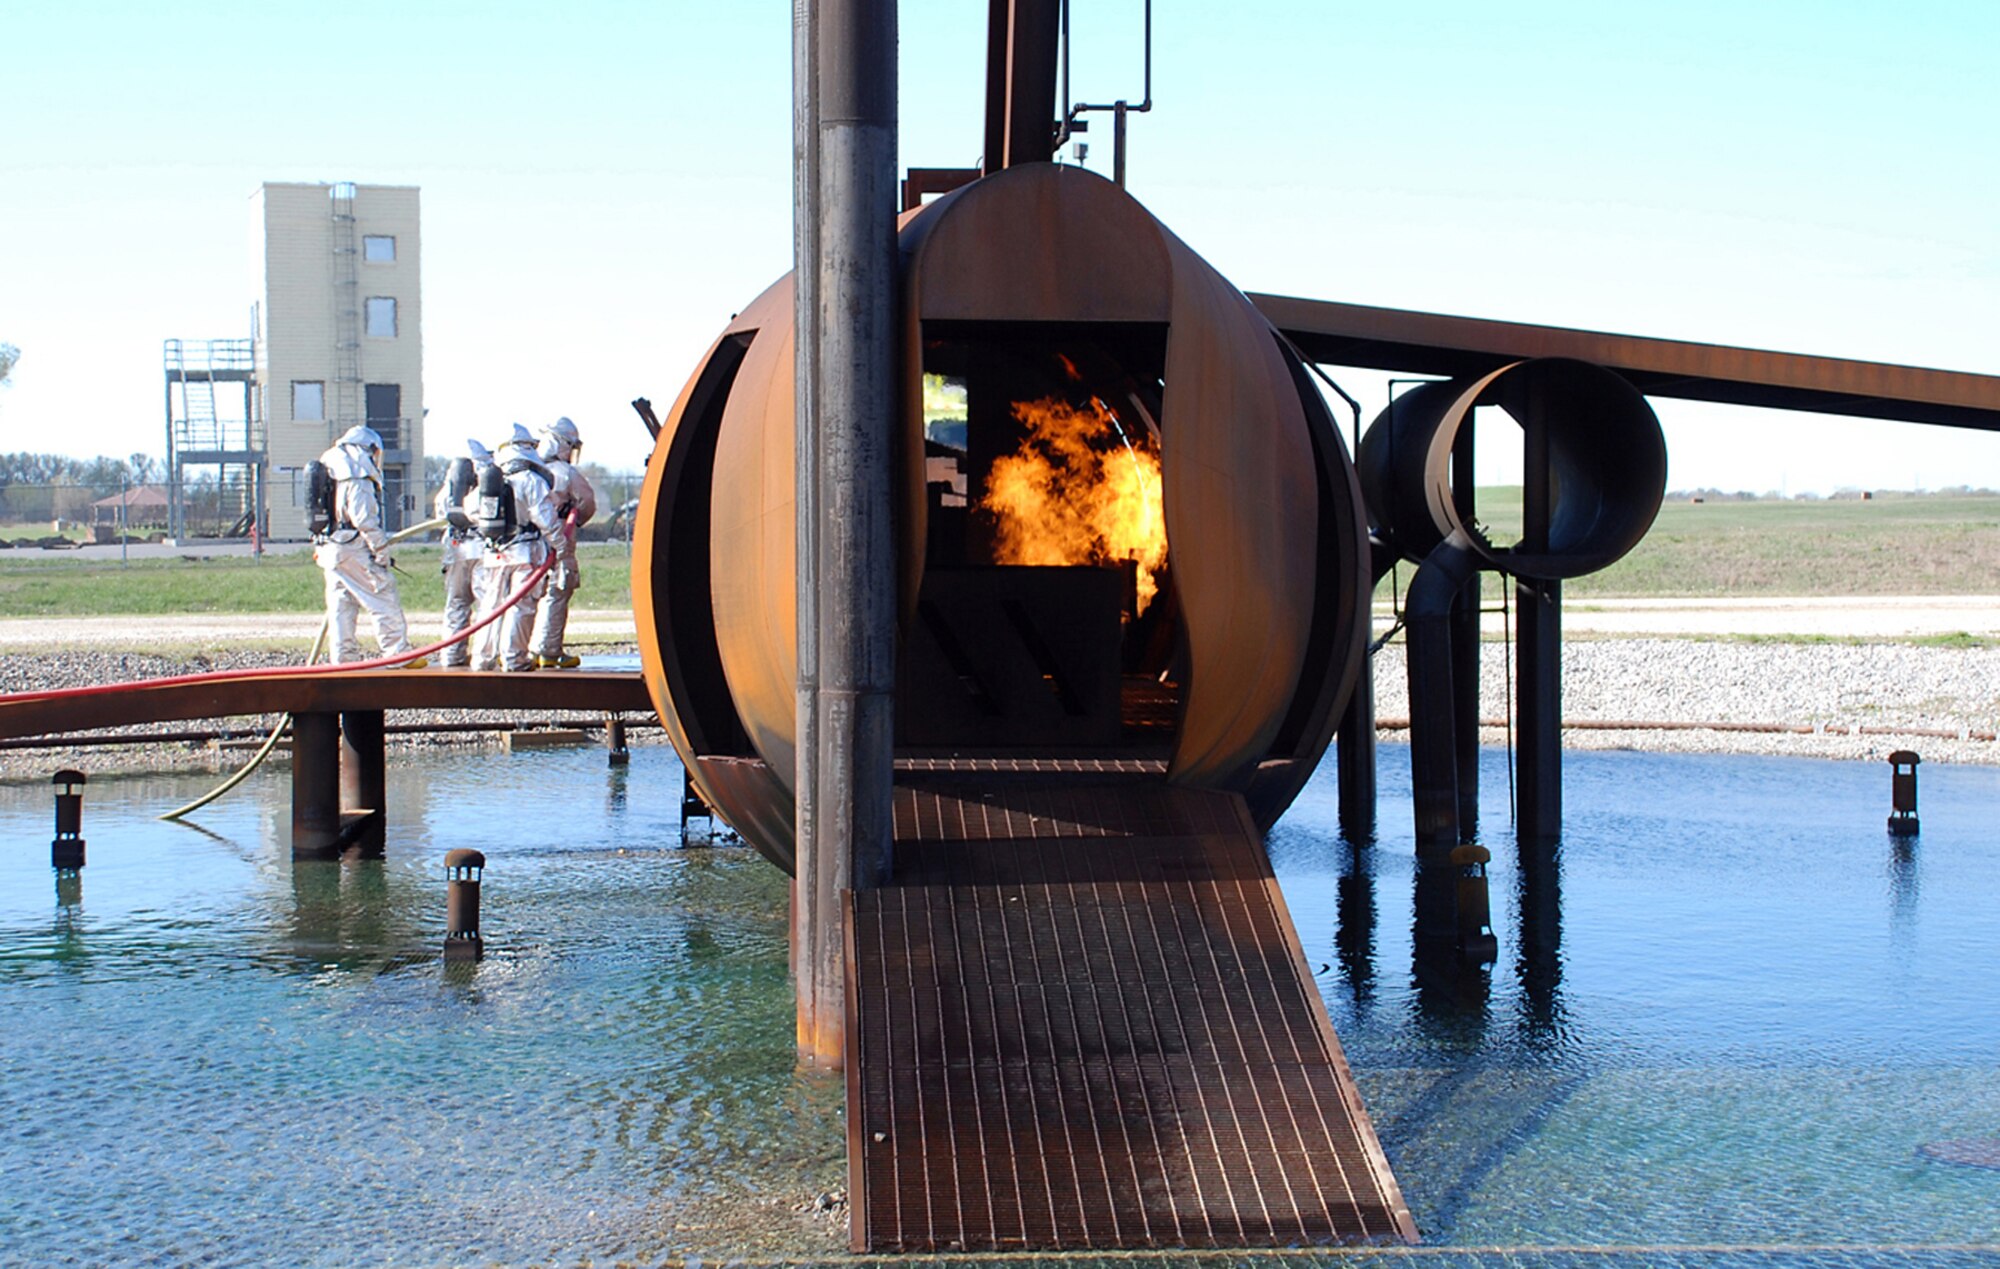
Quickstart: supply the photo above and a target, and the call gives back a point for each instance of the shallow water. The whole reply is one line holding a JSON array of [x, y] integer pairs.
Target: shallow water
[[1736, 1013]]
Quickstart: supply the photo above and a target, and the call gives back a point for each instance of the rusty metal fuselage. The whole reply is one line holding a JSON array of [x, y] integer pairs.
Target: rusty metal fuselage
[[1037, 266]]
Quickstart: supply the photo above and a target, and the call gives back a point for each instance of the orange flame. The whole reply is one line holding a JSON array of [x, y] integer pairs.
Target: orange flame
[[1081, 489]]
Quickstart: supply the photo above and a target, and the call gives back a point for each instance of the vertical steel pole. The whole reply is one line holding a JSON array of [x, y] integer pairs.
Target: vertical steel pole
[[855, 403], [805, 278], [1539, 682], [1118, 144], [173, 481], [1465, 644]]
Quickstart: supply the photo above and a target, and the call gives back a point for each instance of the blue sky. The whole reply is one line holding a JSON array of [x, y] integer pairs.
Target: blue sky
[[605, 183]]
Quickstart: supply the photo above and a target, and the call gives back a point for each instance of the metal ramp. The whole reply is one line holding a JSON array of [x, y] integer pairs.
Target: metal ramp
[[1079, 1018]]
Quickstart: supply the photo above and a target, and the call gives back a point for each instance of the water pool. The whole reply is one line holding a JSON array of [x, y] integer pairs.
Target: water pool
[[1733, 1014]]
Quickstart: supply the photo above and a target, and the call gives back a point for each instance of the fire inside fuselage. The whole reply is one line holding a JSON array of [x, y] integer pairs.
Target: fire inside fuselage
[[1046, 615]]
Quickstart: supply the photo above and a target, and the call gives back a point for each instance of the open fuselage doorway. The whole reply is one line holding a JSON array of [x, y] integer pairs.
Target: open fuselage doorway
[[1047, 619]]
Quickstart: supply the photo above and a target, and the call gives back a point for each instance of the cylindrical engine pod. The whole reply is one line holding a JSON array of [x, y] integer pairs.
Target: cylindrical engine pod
[[66, 850], [1607, 466], [462, 871]]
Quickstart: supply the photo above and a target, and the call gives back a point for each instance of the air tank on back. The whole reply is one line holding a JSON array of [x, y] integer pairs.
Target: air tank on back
[[1127, 526]]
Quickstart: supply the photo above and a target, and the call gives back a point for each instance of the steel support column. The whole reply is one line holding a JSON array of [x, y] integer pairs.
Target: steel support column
[[1538, 681], [1355, 756], [364, 781], [851, 370], [806, 908], [1538, 707], [1465, 645], [315, 785]]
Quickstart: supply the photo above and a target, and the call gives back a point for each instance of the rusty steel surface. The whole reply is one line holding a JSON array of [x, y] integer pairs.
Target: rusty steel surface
[[361, 690], [1082, 1019], [1434, 343]]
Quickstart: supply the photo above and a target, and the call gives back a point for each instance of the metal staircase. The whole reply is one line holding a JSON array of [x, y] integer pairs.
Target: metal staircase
[[344, 242], [215, 456]]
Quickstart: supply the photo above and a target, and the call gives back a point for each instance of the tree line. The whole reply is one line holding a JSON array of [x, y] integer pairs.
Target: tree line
[[103, 473]]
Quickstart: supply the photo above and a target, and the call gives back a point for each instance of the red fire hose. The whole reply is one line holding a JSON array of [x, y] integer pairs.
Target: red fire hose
[[278, 671]]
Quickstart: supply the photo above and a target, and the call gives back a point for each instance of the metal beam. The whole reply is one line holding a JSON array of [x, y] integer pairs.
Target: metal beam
[[594, 691], [1432, 343]]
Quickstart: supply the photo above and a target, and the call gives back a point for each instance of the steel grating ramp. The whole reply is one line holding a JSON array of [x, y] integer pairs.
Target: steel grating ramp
[[1080, 1018]]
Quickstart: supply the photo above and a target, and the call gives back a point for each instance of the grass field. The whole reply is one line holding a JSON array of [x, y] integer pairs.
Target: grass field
[[53, 584], [1891, 545]]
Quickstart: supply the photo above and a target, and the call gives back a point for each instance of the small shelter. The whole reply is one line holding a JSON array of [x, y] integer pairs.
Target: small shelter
[[141, 505]]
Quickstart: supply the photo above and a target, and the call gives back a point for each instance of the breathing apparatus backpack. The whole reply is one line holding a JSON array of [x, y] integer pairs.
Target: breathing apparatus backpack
[[322, 516], [495, 521], [515, 466], [459, 479]]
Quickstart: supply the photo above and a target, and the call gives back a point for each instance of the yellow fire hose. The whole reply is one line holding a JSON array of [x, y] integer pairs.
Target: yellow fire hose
[[271, 741]]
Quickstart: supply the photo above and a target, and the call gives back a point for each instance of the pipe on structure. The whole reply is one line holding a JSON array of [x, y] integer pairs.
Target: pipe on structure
[[1435, 692], [847, 358]]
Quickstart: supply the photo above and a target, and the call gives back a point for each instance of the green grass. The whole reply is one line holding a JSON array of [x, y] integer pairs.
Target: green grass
[[55, 584], [1891, 545]]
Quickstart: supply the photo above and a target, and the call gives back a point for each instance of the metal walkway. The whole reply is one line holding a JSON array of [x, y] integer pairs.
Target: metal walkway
[[1080, 1018]]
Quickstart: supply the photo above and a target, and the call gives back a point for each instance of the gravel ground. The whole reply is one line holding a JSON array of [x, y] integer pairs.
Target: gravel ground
[[43, 671], [1854, 700], [1897, 692]]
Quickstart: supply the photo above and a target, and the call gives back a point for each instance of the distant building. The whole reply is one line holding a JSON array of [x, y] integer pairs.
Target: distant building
[[337, 327]]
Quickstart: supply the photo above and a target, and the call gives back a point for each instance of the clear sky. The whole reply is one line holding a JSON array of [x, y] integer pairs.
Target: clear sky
[[604, 184]]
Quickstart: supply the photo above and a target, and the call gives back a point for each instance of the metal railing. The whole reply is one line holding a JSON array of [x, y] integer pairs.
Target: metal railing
[[198, 356]]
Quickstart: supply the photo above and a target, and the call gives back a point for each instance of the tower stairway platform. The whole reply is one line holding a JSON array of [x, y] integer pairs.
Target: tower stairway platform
[[1079, 1017]]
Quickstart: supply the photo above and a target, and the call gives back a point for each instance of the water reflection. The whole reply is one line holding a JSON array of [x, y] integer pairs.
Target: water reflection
[[1905, 892], [1538, 964], [343, 914], [1354, 931], [68, 928], [617, 788]]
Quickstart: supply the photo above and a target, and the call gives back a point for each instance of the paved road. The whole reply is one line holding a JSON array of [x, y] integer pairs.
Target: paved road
[[209, 630], [198, 548]]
